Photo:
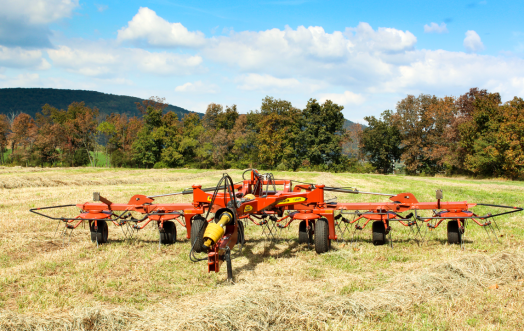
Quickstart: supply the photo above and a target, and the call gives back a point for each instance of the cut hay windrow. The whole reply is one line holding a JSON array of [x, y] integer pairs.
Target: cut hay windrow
[[264, 303], [100, 178]]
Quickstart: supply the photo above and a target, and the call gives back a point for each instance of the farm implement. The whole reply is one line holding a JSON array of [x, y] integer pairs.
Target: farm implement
[[215, 217]]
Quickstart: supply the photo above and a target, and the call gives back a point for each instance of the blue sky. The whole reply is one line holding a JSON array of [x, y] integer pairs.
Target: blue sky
[[365, 55]]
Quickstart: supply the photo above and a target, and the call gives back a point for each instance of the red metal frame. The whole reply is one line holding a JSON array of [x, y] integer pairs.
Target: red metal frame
[[306, 202]]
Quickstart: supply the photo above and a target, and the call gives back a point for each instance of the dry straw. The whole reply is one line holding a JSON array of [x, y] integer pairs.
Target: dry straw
[[54, 178], [269, 302]]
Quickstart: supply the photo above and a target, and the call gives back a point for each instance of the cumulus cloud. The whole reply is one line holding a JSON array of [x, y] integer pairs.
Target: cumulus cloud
[[472, 42], [442, 72], [24, 22], [313, 53], [362, 61], [38, 11], [17, 57], [345, 99], [373, 66], [387, 40], [197, 87], [435, 28], [103, 62], [146, 26]]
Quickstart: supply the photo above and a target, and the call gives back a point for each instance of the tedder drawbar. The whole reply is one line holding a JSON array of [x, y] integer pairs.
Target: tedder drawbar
[[213, 218]]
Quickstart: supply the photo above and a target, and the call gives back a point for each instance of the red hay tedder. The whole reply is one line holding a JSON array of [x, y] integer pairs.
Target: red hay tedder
[[214, 219]]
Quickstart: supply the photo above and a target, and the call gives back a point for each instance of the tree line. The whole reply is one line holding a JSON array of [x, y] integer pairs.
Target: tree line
[[474, 134], [278, 136]]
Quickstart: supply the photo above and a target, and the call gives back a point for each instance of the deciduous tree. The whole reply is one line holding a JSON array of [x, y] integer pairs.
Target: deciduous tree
[[381, 141]]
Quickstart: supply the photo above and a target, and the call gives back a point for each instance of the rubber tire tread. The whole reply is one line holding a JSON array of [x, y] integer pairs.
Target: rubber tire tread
[[379, 233], [198, 227], [454, 235], [303, 235], [168, 237], [101, 233], [322, 242], [241, 239]]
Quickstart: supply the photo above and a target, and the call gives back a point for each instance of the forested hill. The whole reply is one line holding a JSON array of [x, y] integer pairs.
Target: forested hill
[[31, 100]]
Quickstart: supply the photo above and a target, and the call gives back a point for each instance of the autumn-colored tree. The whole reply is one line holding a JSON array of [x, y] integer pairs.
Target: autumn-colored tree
[[454, 154], [49, 139], [510, 138], [414, 121], [80, 126], [153, 102], [438, 149], [23, 134]]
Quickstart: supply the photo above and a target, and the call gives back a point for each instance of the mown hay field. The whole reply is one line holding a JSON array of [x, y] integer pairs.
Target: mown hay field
[[49, 282]]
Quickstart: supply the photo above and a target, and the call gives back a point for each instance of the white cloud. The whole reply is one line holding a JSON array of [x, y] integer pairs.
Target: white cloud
[[25, 22], [351, 57], [434, 27], [38, 11], [472, 42], [266, 82], [17, 57], [147, 26], [22, 80], [375, 67], [453, 73], [345, 99], [362, 61], [197, 87], [104, 61], [387, 40]]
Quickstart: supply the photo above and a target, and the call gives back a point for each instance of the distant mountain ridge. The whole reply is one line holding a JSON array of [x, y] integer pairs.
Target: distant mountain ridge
[[31, 100]]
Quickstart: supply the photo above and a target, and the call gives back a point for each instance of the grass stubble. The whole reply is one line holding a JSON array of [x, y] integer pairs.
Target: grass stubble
[[54, 283]]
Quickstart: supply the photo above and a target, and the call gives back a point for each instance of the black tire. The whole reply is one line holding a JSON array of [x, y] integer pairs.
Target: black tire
[[168, 235], [379, 233], [198, 227], [241, 239], [303, 234], [322, 242], [454, 233], [100, 235]]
